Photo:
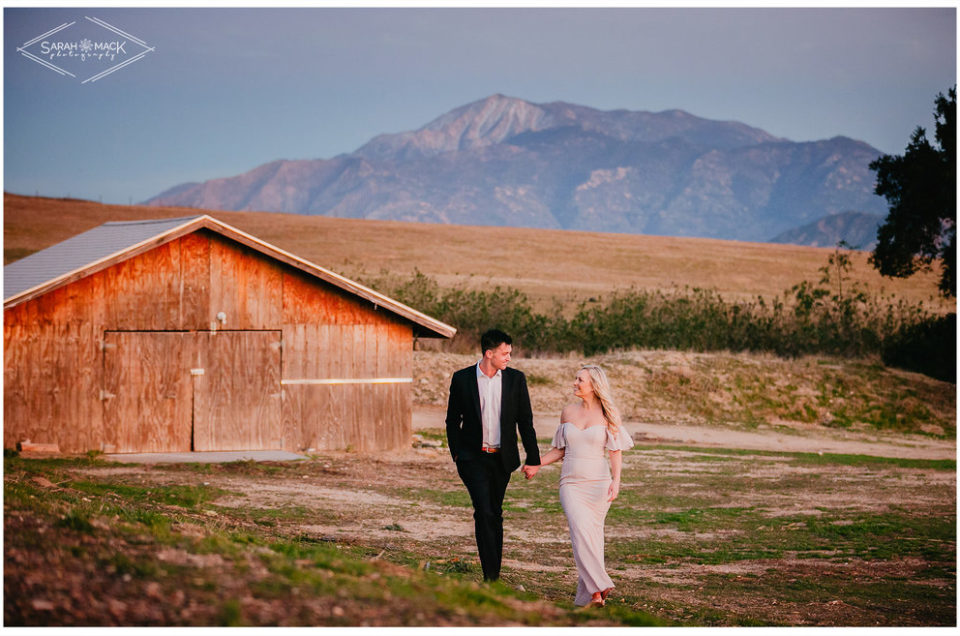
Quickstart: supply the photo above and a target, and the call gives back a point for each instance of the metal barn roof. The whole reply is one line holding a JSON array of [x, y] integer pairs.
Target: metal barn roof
[[110, 243], [81, 251]]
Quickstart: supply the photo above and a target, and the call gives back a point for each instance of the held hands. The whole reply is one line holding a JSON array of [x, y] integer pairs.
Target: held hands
[[530, 471], [614, 490]]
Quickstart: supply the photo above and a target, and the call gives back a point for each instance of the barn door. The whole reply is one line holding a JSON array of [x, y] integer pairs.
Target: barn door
[[236, 391], [146, 394], [179, 391]]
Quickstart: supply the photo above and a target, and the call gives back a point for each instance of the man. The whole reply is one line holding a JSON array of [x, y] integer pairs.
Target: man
[[488, 403]]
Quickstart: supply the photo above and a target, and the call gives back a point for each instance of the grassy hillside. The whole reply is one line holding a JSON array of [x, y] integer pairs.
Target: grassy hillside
[[544, 264]]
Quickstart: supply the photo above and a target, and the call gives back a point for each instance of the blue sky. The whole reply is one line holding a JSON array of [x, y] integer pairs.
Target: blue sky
[[228, 89]]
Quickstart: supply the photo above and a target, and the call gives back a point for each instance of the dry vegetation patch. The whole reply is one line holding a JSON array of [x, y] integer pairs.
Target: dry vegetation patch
[[742, 390]]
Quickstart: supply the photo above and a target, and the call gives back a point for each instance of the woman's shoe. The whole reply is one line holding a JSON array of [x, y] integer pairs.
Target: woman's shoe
[[597, 601], [605, 593]]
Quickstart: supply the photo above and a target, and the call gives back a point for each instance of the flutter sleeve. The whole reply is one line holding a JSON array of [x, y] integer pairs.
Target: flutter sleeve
[[619, 441], [559, 441]]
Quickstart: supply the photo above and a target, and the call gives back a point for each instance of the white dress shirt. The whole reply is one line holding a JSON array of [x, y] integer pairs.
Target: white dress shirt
[[490, 392]]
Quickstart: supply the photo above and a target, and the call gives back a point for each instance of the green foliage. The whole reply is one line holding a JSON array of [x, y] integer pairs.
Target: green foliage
[[830, 316], [920, 187], [926, 347]]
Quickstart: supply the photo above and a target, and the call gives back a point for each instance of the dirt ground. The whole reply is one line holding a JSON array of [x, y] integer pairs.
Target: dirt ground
[[412, 502], [776, 523]]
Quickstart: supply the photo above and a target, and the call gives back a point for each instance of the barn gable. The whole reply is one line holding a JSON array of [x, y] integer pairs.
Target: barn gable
[[114, 242], [187, 334]]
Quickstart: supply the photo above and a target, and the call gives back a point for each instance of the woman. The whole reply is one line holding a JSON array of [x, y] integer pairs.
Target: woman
[[586, 485]]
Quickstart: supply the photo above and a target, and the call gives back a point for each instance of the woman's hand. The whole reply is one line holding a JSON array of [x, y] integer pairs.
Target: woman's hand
[[614, 490], [530, 471], [616, 463]]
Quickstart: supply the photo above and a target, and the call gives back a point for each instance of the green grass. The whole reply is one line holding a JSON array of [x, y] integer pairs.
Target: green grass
[[749, 534], [272, 517], [695, 509], [185, 496], [458, 498], [903, 595], [122, 528], [437, 435], [77, 521], [824, 459]]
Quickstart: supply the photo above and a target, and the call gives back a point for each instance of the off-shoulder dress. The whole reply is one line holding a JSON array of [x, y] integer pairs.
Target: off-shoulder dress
[[584, 482]]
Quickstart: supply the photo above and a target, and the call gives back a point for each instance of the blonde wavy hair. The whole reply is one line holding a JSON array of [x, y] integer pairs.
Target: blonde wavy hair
[[601, 388]]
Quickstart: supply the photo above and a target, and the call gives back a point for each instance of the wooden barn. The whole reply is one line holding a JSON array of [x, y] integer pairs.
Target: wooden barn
[[187, 334]]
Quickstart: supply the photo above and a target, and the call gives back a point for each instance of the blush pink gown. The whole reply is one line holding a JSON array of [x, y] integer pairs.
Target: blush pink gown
[[584, 480]]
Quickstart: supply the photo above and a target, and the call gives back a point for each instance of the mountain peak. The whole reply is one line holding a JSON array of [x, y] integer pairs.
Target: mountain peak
[[484, 122], [496, 103], [489, 121]]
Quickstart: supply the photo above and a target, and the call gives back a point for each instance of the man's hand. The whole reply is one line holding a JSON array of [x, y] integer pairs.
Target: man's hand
[[530, 471]]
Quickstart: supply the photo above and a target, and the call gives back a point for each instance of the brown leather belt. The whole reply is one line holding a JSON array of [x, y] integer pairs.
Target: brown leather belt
[[489, 449]]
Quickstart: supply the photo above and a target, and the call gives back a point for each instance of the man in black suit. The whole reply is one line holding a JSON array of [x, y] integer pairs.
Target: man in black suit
[[488, 403]]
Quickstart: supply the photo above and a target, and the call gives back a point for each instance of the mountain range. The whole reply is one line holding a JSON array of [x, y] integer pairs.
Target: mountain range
[[509, 162], [858, 229]]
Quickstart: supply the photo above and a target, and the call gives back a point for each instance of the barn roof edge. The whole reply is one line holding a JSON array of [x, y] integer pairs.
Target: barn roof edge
[[177, 227]]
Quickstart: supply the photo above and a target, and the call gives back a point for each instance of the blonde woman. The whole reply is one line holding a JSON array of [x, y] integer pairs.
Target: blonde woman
[[587, 487]]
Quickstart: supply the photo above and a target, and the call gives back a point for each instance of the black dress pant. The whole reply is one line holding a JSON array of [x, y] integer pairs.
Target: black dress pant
[[486, 481]]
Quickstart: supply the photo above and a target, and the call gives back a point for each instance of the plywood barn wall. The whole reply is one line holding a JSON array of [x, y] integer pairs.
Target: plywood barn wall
[[54, 361]]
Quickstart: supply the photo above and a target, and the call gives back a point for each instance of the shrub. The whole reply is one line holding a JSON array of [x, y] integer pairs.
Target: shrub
[[928, 347], [831, 316]]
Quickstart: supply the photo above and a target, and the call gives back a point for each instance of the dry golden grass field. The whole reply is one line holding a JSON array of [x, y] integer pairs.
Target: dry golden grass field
[[543, 264]]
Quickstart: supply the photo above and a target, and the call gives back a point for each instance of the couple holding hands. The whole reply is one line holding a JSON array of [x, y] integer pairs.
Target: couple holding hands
[[488, 405]]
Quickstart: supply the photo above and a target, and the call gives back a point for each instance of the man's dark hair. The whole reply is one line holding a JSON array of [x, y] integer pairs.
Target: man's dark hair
[[493, 338]]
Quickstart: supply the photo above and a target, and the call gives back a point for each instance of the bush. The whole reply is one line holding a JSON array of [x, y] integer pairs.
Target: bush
[[927, 347], [827, 317]]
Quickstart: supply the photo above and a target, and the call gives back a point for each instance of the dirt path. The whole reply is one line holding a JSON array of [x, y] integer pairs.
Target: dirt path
[[913, 447], [812, 439]]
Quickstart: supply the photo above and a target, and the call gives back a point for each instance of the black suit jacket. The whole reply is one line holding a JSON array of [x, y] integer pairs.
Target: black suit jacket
[[465, 428]]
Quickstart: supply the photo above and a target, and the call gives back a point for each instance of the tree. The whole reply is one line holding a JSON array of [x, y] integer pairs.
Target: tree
[[921, 189]]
